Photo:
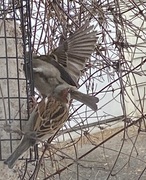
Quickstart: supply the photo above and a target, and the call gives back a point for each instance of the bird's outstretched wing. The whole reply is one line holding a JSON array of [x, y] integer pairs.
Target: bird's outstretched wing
[[74, 52]]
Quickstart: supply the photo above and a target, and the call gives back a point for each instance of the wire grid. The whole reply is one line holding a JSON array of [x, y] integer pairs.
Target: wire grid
[[112, 72], [15, 34]]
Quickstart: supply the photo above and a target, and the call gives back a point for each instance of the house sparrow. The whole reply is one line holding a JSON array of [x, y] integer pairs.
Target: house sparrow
[[64, 64], [48, 75], [46, 119]]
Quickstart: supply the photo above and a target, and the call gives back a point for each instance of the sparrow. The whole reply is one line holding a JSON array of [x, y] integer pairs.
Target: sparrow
[[64, 65], [75, 51], [48, 116]]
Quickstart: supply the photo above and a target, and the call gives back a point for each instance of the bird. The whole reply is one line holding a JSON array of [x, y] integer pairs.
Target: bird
[[48, 116], [64, 65], [74, 52]]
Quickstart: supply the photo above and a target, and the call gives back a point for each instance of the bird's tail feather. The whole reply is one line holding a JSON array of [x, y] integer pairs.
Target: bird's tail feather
[[23, 146], [90, 101]]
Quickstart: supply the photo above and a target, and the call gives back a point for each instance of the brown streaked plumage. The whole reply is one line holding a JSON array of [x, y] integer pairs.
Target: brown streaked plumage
[[51, 115], [46, 119]]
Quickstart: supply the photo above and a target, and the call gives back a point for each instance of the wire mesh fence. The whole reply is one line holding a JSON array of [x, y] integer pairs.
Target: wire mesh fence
[[86, 146], [15, 39]]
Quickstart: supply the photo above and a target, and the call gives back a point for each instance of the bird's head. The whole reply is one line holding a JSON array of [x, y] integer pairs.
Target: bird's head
[[62, 93]]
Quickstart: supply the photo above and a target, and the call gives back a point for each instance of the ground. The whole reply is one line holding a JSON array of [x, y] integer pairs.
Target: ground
[[124, 154], [120, 157]]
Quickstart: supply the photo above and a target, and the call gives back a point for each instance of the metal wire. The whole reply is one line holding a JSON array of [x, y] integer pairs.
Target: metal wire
[[12, 15]]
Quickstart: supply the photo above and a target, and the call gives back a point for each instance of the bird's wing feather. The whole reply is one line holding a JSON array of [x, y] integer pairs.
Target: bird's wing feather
[[63, 73], [51, 117], [76, 50]]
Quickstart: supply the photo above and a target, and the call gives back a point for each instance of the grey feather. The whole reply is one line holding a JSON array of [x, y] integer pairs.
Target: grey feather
[[90, 101]]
